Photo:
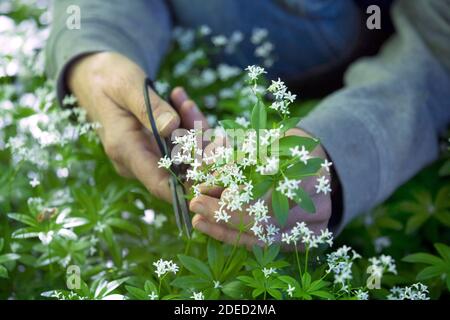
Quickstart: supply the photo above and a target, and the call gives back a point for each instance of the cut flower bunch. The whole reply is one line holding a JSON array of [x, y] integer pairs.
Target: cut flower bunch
[[71, 228], [259, 166]]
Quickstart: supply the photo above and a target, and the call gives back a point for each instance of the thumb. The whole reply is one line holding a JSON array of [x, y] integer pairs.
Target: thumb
[[131, 97]]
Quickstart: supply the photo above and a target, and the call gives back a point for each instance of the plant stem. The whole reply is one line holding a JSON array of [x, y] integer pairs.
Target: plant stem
[[298, 262]]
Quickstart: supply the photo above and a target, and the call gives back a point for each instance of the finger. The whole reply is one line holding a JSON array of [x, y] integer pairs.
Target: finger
[[207, 207], [190, 114], [144, 165], [212, 191], [128, 93], [224, 234], [122, 170], [323, 213]]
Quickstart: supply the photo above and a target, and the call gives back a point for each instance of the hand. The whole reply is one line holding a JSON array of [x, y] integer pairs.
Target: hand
[[109, 86], [205, 206]]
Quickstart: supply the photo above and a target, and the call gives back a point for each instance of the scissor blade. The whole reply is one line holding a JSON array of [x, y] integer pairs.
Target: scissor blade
[[175, 204], [184, 210]]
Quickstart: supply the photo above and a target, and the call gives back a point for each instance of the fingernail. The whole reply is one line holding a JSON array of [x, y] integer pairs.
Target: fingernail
[[164, 120]]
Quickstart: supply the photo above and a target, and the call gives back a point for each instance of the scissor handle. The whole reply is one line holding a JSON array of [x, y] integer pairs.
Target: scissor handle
[[161, 143]]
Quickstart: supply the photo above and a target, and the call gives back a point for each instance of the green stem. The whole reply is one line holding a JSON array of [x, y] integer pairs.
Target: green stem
[[306, 260], [298, 263]]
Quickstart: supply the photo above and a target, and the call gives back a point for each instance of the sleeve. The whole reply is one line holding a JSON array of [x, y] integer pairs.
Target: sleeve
[[384, 125], [138, 29]]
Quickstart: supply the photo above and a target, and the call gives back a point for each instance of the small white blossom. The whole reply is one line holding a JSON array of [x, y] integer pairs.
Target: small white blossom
[[323, 185], [254, 72], [165, 266], [268, 271], [165, 162], [290, 290], [197, 296]]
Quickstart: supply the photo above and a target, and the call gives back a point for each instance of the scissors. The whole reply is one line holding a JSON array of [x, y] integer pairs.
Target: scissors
[[179, 203]]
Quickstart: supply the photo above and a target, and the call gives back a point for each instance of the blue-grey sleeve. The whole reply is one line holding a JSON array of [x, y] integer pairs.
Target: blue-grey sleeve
[[383, 126], [138, 29]]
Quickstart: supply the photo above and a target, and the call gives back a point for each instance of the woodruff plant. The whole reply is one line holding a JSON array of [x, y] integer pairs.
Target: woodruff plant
[[256, 161]]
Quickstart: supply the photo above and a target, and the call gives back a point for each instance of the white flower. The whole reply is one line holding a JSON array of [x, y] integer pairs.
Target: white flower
[[219, 41], [340, 263], [303, 154], [268, 271], [382, 264], [254, 72], [165, 266], [153, 296], [326, 165], [165, 162], [222, 215], [258, 35], [288, 187], [149, 216], [46, 237], [362, 295], [290, 290], [62, 172], [417, 291], [205, 30], [34, 182], [323, 185], [197, 296], [270, 168], [217, 284], [243, 122]]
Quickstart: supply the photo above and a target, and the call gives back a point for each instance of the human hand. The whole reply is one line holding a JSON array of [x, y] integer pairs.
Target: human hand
[[207, 204], [109, 87]]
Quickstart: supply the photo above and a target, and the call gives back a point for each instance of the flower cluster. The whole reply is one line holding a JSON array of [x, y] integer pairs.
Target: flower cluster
[[302, 234], [340, 263], [165, 266], [378, 266], [417, 291], [283, 97]]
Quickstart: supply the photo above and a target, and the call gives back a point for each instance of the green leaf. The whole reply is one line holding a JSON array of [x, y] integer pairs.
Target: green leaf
[[280, 206], [195, 266], [150, 286], [271, 254], [113, 246], [216, 258], [431, 272], [23, 218], [286, 143], [318, 284], [261, 188], [259, 116], [415, 222], [258, 252], [191, 282], [3, 272], [2, 243], [257, 292], [422, 258], [230, 124], [289, 123], [275, 293], [137, 293], [124, 225], [443, 250], [303, 199], [322, 294], [306, 281], [301, 170], [234, 289], [9, 257]]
